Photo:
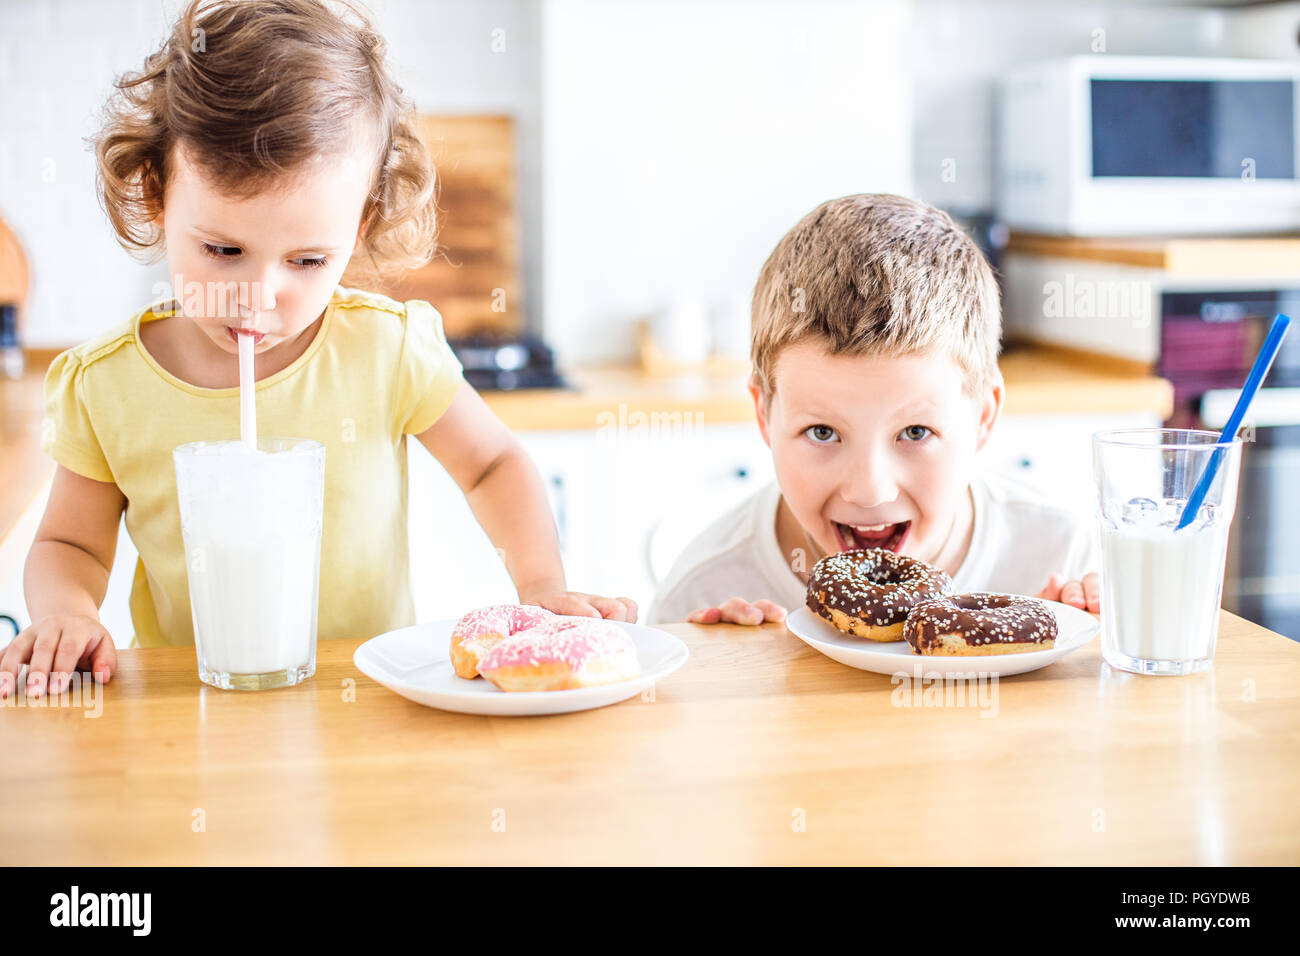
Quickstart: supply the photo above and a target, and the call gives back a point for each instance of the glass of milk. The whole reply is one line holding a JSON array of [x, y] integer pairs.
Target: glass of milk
[[1160, 588], [251, 523]]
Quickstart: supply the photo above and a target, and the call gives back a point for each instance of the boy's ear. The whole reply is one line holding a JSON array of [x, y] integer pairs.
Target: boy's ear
[[760, 409], [990, 409]]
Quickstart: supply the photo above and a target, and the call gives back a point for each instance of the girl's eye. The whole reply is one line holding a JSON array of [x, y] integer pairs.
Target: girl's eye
[[309, 263], [821, 434], [221, 252], [915, 433]]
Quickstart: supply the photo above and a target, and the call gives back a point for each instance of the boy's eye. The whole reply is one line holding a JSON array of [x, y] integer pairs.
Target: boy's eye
[[309, 263], [915, 433], [821, 434], [221, 252]]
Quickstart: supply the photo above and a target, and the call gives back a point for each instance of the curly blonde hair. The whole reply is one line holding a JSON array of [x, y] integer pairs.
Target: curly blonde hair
[[256, 91]]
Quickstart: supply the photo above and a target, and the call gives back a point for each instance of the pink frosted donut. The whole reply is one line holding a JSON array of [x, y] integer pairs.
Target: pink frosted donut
[[565, 653], [481, 630]]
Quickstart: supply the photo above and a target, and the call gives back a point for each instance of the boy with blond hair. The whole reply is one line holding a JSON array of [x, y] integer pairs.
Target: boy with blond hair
[[876, 325]]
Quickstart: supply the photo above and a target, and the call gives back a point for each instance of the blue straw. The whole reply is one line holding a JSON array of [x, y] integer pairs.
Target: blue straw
[[1263, 361]]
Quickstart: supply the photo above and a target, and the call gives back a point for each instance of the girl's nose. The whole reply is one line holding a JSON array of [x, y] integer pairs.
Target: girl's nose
[[258, 295]]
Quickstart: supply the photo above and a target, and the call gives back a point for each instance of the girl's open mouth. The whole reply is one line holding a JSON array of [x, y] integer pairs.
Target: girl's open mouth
[[890, 537], [234, 335]]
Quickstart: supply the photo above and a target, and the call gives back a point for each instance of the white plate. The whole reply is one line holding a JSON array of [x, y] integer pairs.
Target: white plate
[[1075, 628], [416, 663]]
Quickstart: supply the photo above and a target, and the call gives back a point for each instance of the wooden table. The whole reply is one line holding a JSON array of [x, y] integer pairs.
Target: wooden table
[[758, 751]]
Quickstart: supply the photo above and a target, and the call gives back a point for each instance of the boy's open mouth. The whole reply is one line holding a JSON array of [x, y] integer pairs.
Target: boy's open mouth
[[890, 536]]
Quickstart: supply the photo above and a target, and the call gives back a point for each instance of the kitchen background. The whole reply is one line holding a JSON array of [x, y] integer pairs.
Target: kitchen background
[[621, 169]]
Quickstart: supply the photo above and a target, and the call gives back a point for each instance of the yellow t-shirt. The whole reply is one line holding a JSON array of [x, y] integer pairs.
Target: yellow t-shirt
[[376, 371]]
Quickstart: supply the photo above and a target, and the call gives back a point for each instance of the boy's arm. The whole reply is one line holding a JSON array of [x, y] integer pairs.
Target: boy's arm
[[508, 498], [1078, 583], [738, 611], [690, 588], [1084, 594]]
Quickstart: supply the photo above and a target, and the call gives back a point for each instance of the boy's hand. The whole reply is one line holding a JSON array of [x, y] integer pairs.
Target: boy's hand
[[1085, 594], [738, 611], [52, 649], [584, 605]]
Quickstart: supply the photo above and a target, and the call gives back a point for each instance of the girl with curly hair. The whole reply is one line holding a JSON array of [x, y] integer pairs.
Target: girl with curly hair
[[266, 150]]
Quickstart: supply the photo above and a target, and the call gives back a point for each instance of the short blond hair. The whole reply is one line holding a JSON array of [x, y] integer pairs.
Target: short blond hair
[[877, 274]]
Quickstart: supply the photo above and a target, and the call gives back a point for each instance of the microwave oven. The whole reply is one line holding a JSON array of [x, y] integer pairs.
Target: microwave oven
[[1121, 146]]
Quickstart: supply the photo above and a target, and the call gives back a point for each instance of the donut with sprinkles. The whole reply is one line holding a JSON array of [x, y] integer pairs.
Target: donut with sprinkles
[[484, 628], [868, 592], [562, 654], [979, 623]]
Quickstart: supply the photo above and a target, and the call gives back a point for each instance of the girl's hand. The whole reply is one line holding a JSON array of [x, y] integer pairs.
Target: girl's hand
[[1085, 594], [52, 649], [578, 604], [738, 611]]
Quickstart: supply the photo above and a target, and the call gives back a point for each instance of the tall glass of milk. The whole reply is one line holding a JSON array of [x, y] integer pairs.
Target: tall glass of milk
[[251, 523], [1161, 587]]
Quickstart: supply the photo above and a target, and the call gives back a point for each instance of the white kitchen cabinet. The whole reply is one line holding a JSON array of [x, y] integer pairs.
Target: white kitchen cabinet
[[115, 613], [655, 492], [1054, 452], [13, 554], [625, 502]]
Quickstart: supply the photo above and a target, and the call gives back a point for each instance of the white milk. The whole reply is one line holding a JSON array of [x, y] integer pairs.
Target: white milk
[[254, 603], [1161, 588], [251, 526]]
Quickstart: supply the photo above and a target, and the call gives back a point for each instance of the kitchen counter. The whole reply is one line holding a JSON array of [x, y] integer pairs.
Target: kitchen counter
[[759, 751], [1040, 381]]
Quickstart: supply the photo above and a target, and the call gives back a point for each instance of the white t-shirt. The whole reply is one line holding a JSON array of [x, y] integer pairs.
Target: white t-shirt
[[1020, 537]]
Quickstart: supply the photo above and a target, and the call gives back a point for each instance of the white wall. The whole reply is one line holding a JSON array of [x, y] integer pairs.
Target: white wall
[[682, 139], [57, 63], [959, 47], [1269, 31]]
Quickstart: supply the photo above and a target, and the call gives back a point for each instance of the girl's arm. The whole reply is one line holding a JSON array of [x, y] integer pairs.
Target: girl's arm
[[507, 496], [64, 580]]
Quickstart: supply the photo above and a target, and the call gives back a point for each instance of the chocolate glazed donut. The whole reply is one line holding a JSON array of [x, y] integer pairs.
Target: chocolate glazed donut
[[868, 592], [980, 623]]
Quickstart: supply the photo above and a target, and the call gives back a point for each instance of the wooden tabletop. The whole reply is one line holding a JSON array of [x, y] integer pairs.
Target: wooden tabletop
[[758, 751]]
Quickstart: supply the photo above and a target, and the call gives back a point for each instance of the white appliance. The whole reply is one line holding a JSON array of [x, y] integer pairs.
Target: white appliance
[[1112, 146]]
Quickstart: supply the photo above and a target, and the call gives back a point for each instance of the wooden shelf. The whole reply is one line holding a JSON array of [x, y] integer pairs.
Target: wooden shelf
[[1222, 257]]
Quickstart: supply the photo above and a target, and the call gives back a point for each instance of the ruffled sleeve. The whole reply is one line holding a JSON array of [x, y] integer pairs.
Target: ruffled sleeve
[[67, 432], [428, 372]]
